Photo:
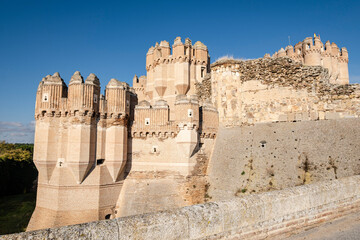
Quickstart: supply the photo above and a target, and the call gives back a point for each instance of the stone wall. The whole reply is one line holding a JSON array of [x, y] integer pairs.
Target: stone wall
[[277, 90], [272, 156], [256, 216]]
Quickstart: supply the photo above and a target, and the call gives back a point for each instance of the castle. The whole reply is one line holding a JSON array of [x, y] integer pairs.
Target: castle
[[152, 146], [312, 52]]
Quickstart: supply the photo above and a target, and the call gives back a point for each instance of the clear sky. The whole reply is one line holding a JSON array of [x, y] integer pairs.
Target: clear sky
[[111, 38]]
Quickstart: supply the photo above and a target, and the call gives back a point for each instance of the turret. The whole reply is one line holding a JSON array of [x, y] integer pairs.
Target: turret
[[84, 108], [187, 119], [181, 67], [343, 67], [178, 48], [118, 107], [335, 53], [50, 98], [281, 53], [289, 51], [312, 53], [326, 56], [160, 69], [165, 49]]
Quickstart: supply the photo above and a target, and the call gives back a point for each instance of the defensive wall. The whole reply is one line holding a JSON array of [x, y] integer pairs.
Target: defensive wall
[[273, 156], [256, 216], [278, 90]]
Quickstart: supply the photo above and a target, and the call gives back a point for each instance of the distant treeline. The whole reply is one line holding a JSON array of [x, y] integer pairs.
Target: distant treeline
[[17, 170]]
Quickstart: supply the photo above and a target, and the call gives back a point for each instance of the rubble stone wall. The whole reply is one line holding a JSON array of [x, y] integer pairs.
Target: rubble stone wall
[[255, 216], [278, 90]]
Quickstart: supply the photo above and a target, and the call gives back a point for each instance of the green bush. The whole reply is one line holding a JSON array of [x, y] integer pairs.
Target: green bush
[[17, 170]]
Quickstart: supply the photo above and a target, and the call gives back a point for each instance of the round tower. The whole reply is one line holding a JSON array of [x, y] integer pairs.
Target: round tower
[[281, 53], [343, 67], [84, 109], [335, 53], [326, 56], [50, 92], [160, 69], [290, 51], [149, 88], [118, 108], [312, 53], [181, 67], [187, 119]]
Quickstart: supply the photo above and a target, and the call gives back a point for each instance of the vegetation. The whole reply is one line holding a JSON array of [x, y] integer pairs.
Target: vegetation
[[17, 176], [15, 212], [17, 170]]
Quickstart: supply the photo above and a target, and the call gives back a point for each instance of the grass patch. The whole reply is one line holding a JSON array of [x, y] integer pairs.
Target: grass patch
[[15, 212]]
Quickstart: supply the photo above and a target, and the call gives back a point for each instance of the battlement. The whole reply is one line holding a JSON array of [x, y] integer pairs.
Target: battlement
[[181, 52], [81, 98], [311, 51], [174, 71]]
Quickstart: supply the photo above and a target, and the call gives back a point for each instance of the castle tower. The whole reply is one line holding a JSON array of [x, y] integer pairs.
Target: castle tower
[[290, 51], [343, 67], [169, 75], [118, 109], [281, 53], [335, 53], [160, 68], [149, 89], [49, 102], [84, 107], [311, 51], [187, 118], [181, 68], [139, 84], [327, 57]]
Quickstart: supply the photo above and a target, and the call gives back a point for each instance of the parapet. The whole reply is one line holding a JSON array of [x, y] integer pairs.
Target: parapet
[[54, 98], [161, 53], [312, 52]]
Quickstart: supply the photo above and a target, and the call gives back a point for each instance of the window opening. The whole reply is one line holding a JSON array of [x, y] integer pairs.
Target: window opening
[[147, 121]]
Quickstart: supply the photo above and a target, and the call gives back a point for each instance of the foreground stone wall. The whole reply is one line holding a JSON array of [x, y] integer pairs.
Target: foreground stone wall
[[277, 90], [273, 156], [255, 216]]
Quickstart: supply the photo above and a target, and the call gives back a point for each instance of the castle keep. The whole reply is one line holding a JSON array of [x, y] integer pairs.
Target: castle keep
[[190, 132]]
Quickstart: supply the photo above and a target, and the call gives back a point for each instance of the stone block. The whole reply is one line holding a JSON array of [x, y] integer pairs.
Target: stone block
[[305, 116], [159, 225], [283, 118], [204, 220], [332, 115], [291, 117], [298, 117], [314, 115], [321, 115], [106, 229]]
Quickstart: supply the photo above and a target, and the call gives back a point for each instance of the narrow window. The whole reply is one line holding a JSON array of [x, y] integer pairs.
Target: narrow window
[[202, 71], [100, 161], [45, 97], [147, 121], [108, 216], [154, 149], [95, 98], [190, 113]]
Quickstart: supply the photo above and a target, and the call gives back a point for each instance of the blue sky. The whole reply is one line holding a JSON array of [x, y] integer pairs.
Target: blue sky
[[111, 38]]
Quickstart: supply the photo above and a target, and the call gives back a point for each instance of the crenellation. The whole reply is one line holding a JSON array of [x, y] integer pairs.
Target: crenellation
[[312, 52]]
